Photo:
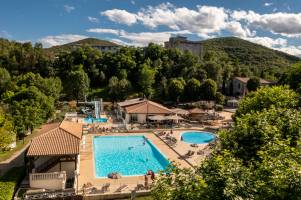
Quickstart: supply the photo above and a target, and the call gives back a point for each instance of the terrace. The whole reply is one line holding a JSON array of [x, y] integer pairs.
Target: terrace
[[64, 158]]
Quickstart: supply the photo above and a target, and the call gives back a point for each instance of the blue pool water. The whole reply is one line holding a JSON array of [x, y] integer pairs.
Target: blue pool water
[[90, 120], [126, 155], [197, 137]]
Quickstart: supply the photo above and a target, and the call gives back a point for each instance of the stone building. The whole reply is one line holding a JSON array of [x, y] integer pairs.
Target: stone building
[[183, 44], [239, 85]]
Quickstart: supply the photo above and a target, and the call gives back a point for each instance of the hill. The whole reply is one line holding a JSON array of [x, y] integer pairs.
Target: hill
[[248, 53], [84, 42]]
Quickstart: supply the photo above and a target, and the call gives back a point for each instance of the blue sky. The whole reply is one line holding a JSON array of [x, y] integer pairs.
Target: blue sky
[[273, 23]]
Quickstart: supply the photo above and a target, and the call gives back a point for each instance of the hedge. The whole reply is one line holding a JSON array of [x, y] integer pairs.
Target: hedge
[[9, 182]]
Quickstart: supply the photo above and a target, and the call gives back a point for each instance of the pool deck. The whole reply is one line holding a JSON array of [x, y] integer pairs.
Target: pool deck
[[87, 172]]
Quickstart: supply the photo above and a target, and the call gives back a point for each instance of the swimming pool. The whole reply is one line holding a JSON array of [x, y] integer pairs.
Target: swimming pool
[[90, 120], [197, 137], [127, 155]]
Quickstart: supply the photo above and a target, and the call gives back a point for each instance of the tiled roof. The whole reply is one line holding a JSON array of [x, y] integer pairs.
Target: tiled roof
[[74, 128], [131, 102], [148, 107], [245, 80], [54, 142]]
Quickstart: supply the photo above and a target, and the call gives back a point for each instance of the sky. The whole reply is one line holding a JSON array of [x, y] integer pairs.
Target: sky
[[272, 23]]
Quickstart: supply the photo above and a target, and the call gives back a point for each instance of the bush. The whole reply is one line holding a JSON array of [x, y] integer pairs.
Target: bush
[[9, 182], [219, 107]]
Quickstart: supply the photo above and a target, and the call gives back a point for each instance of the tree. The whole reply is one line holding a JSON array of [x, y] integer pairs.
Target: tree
[[77, 85], [113, 88], [252, 131], [146, 80], [7, 134], [208, 89], [124, 87], [29, 108], [4, 80], [266, 97], [214, 71], [253, 84], [294, 77], [176, 88], [176, 183], [219, 98], [192, 89]]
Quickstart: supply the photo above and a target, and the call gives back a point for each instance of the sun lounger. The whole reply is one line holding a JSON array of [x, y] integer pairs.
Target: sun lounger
[[106, 187], [121, 188]]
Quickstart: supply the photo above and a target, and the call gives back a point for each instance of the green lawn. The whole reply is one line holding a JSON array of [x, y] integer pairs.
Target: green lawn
[[9, 182]]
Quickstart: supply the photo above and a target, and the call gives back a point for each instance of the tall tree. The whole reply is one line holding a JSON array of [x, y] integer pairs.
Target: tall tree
[[147, 80], [77, 85], [192, 89], [176, 88], [208, 89]]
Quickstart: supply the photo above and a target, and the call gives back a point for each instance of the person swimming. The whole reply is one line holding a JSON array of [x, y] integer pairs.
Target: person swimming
[[130, 148]]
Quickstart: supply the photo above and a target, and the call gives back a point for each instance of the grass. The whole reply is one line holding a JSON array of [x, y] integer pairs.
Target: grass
[[9, 182]]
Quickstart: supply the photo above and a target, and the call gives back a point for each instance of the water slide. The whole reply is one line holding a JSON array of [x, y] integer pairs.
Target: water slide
[[96, 105]]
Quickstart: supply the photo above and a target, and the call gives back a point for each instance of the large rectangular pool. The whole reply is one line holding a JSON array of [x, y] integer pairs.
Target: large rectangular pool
[[127, 155]]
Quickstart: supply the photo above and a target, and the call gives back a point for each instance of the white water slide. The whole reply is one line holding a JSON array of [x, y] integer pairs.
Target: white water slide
[[97, 112]]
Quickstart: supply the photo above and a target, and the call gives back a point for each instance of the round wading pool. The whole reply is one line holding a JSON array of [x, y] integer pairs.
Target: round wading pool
[[197, 137]]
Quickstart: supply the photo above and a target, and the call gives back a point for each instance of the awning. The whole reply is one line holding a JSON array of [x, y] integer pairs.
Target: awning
[[173, 117], [157, 118]]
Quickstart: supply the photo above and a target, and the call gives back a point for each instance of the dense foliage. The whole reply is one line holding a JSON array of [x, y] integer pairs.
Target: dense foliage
[[152, 71], [259, 158], [7, 134], [266, 97]]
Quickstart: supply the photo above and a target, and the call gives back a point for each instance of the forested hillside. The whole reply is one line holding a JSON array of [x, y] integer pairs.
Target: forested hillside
[[249, 55]]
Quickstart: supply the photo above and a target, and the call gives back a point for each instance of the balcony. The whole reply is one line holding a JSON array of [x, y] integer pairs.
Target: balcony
[[50, 181]]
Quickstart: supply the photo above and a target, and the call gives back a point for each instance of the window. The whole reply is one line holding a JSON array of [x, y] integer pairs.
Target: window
[[134, 118]]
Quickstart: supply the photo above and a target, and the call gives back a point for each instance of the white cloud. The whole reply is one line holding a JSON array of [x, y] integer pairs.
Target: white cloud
[[120, 16], [69, 8], [268, 42], [296, 51], [5, 34], [237, 30], [133, 2], [92, 19], [285, 24], [267, 4], [141, 38], [104, 30], [204, 20], [50, 41]]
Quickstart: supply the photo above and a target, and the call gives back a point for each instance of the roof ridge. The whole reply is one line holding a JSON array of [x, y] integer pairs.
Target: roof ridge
[[69, 132]]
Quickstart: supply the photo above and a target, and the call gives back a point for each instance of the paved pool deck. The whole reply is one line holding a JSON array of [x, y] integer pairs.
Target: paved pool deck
[[87, 172]]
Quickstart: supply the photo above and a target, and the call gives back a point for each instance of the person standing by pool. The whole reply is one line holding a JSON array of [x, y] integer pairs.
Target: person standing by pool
[[145, 181]]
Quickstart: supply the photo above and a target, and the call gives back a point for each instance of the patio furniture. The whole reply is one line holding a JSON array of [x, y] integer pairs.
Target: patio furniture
[[105, 187], [122, 187]]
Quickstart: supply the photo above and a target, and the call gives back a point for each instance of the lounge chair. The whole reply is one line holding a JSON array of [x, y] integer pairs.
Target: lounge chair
[[105, 187], [122, 187], [188, 154], [194, 145], [140, 187]]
